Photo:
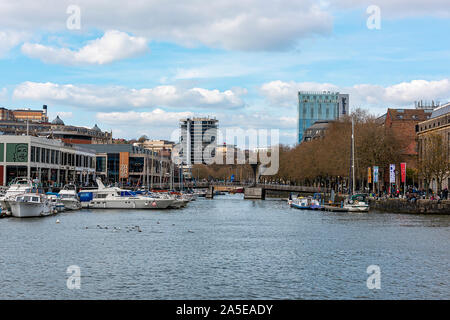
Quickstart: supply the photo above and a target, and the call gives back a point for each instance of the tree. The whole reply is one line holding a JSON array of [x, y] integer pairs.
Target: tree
[[434, 160], [143, 138]]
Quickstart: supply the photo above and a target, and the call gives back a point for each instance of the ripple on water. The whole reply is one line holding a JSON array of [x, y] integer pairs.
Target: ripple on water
[[225, 248]]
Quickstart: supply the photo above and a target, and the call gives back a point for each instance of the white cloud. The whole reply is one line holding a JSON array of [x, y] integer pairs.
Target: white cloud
[[400, 8], [163, 124], [97, 97], [156, 118], [113, 46], [284, 94], [10, 39], [242, 25]]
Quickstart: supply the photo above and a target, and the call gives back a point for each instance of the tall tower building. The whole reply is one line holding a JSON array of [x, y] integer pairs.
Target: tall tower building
[[196, 135], [319, 106]]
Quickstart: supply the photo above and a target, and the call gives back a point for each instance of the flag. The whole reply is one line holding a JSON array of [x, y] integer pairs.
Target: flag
[[392, 173], [375, 174], [403, 170], [369, 175]]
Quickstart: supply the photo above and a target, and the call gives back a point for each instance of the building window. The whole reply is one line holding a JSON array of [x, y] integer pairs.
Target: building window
[[136, 164], [33, 154]]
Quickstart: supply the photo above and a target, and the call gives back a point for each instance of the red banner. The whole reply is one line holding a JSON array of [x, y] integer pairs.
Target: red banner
[[403, 169]]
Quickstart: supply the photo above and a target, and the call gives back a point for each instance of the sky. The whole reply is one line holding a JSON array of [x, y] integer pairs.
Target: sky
[[135, 68]]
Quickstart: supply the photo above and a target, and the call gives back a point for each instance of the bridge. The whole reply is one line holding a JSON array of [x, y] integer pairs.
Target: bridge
[[251, 191]]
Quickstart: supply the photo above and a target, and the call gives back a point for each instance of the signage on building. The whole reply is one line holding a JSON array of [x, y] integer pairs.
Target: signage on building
[[17, 152], [123, 165], [403, 169], [392, 173], [375, 174]]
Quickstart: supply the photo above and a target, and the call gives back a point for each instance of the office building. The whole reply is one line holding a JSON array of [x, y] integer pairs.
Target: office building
[[129, 164], [198, 136], [319, 106]]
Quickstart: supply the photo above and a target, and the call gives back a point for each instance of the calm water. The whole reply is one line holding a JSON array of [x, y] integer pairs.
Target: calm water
[[225, 248]]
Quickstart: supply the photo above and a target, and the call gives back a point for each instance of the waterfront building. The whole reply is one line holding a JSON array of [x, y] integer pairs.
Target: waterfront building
[[163, 146], [438, 123], [319, 106], [131, 164], [24, 115], [226, 148], [316, 131], [35, 123], [196, 134], [49, 160], [401, 123]]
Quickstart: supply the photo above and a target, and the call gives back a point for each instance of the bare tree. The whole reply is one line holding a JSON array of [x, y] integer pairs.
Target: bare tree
[[434, 161]]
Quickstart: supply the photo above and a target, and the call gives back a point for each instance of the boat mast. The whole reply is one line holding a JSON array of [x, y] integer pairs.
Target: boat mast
[[353, 156]]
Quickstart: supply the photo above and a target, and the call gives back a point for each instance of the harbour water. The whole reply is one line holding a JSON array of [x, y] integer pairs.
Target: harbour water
[[225, 248]]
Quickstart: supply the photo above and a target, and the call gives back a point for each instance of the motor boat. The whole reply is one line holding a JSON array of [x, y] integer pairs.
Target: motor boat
[[117, 198], [69, 197], [300, 203], [200, 193], [17, 187], [56, 201], [31, 205], [357, 203], [316, 202]]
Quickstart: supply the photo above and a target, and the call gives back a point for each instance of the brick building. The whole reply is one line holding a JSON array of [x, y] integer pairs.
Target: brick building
[[402, 124]]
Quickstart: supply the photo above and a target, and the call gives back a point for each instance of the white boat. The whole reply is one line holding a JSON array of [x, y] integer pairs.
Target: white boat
[[117, 198], [300, 203], [31, 205], [56, 201], [17, 186], [69, 197], [357, 203]]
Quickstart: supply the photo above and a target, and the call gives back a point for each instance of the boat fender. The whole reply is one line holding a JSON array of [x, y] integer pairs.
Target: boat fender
[[154, 203], [356, 202]]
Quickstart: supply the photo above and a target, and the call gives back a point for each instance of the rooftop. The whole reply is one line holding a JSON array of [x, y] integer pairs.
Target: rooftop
[[408, 114], [440, 111]]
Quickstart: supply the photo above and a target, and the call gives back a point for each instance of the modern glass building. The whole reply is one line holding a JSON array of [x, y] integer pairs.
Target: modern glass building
[[319, 106]]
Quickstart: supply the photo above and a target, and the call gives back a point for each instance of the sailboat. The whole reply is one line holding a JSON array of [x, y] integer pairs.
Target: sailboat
[[355, 202]]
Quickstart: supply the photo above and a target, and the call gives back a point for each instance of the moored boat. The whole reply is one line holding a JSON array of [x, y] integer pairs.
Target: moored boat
[[357, 203], [300, 203], [69, 197], [16, 187], [116, 198], [56, 201], [31, 205]]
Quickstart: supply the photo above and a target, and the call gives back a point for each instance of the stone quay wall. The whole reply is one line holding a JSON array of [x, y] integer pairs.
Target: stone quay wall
[[421, 206]]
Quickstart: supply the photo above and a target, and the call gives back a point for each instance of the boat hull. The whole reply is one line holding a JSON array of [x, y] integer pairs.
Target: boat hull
[[298, 206], [71, 204], [29, 210], [128, 204], [357, 208]]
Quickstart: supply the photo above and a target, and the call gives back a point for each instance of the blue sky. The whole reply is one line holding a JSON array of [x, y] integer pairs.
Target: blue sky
[[137, 71]]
